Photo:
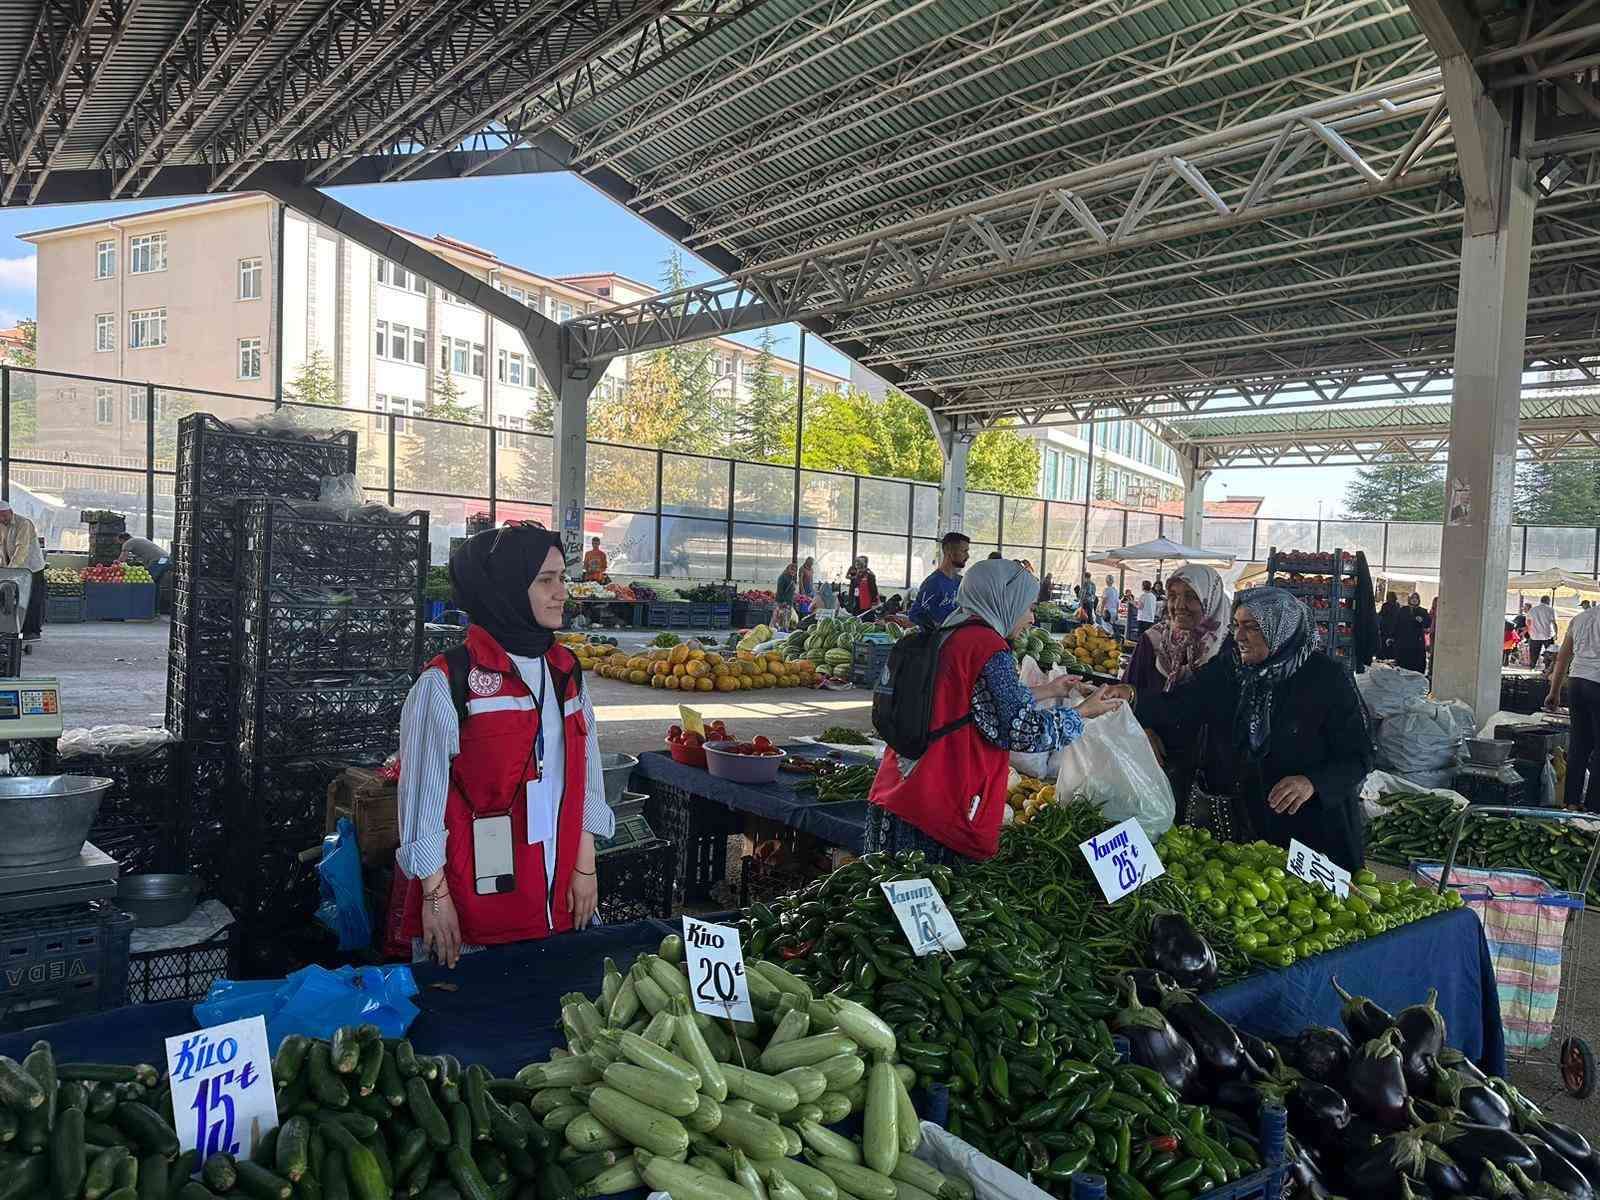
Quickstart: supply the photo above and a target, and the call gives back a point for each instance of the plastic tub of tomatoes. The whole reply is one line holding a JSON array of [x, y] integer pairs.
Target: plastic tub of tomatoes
[[688, 747], [744, 762]]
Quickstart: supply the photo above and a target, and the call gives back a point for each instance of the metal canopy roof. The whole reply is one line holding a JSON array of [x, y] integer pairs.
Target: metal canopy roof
[[1013, 208]]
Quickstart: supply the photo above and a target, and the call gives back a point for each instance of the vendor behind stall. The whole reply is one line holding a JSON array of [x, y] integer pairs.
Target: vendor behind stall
[[19, 548], [501, 795], [1285, 736], [949, 802]]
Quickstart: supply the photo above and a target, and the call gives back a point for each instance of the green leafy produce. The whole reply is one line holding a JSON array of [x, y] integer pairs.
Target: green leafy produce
[[847, 784], [665, 640], [843, 735]]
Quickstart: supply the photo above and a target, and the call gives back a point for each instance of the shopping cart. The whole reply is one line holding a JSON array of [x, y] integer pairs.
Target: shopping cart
[[1535, 936]]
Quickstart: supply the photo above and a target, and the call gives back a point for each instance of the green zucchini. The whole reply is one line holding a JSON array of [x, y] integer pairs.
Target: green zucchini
[[767, 1091], [810, 1182], [639, 1124], [908, 1127], [919, 1174], [558, 1072], [586, 1134], [648, 1054], [828, 1143], [683, 1182], [747, 1177], [880, 1137], [660, 1030], [784, 981], [808, 1082], [858, 1180], [668, 978], [659, 1090], [807, 1052], [547, 1100], [764, 994], [862, 1024], [557, 1119], [625, 1007], [792, 1026], [691, 1044], [706, 1116], [756, 1136], [779, 1187]]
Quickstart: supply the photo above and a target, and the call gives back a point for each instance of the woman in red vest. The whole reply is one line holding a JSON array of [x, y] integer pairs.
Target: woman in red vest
[[949, 803], [499, 811]]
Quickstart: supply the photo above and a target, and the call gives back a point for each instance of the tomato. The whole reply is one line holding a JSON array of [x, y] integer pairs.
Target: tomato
[[761, 742], [692, 740]]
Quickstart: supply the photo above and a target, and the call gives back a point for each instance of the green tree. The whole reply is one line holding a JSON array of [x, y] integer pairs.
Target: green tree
[[1397, 490], [766, 415], [1566, 492], [440, 457], [1002, 461], [25, 388]]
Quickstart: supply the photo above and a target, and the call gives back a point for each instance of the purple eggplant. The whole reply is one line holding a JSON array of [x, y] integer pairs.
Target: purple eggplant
[[1453, 1060], [1571, 1144], [1473, 1145], [1321, 1054], [1151, 984], [1379, 1172], [1558, 1170], [1216, 1043], [1177, 949], [1154, 1043], [1317, 1113], [1375, 1082], [1410, 1189], [1262, 1052], [1524, 1188], [1442, 1173], [1477, 1102], [1235, 1095], [1421, 1031], [1364, 1019]]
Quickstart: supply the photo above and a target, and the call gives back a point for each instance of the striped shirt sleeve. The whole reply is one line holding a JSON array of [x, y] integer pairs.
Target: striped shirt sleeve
[[430, 736], [598, 818]]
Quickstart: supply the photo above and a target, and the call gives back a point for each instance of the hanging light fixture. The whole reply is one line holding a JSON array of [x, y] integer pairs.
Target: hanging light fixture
[[1555, 170]]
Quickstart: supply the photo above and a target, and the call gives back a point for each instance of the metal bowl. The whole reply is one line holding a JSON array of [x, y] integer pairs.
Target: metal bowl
[[617, 769], [741, 768], [1489, 752], [156, 900], [46, 817]]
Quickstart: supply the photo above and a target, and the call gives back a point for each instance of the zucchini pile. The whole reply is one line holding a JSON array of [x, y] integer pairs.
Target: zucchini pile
[[717, 1110]]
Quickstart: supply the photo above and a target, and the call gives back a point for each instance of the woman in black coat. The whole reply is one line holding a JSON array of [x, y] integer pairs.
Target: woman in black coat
[[1411, 625], [1387, 616], [1285, 732]]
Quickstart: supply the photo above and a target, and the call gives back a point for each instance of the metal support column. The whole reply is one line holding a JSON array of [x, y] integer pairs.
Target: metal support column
[[799, 442], [1088, 505], [1194, 498], [389, 425], [1490, 335], [572, 459], [5, 432], [732, 479], [661, 470], [956, 445], [493, 481], [150, 460]]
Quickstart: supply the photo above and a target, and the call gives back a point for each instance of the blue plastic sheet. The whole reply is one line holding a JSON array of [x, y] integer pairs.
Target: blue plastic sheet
[[344, 904], [316, 1002]]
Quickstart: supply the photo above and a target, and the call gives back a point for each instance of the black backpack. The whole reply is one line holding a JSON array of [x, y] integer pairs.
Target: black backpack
[[458, 665], [902, 697]]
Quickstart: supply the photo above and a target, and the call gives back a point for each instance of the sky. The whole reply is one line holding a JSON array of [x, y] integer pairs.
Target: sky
[[556, 224]]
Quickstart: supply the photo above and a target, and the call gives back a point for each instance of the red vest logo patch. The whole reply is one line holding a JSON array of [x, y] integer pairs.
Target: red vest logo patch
[[483, 683]]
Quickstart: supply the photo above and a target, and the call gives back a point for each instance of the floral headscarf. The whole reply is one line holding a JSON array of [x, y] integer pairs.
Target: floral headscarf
[[1180, 653]]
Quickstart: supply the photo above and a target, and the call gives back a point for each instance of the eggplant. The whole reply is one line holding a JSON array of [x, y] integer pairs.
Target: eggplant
[[1364, 1019], [1177, 949], [1473, 1145], [1235, 1095], [1421, 1030], [1375, 1082], [1317, 1113], [1564, 1139], [1216, 1043], [1379, 1172], [1262, 1052], [1304, 1175], [1452, 1059], [1477, 1102], [1558, 1170], [1442, 1173], [1532, 1189], [1152, 984], [1410, 1189], [1154, 1043], [1321, 1054]]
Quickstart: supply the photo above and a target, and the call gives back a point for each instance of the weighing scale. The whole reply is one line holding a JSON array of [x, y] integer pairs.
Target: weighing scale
[[1481, 784], [632, 827]]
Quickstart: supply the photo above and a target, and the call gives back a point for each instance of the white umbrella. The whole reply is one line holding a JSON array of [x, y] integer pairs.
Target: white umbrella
[[1553, 581], [1161, 550]]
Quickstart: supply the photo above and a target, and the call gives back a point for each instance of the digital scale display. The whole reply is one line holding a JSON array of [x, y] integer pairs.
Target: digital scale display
[[29, 708], [17, 703]]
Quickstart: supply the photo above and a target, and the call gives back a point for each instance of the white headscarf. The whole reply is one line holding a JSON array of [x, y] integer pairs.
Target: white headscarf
[[998, 592], [1179, 653]]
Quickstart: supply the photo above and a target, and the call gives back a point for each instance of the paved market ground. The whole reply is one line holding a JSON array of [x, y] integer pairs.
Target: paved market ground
[[114, 673]]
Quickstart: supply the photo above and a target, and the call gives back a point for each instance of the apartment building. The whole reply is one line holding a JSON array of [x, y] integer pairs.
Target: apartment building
[[1130, 465], [192, 296]]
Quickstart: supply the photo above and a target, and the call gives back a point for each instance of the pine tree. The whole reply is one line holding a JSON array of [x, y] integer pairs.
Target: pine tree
[[25, 388], [1397, 490], [1565, 492], [444, 458], [767, 412]]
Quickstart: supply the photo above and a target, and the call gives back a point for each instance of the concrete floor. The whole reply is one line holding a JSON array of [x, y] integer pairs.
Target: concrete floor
[[115, 673]]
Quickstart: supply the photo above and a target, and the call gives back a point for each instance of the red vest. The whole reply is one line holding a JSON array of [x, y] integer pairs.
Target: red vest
[[957, 793], [489, 777]]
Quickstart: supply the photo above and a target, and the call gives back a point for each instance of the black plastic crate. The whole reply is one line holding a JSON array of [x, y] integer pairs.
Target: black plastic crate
[[287, 637], [32, 756], [199, 700], [62, 962], [636, 882], [203, 540], [355, 718], [138, 848], [303, 551], [202, 621], [868, 660], [183, 973], [143, 782], [698, 830], [216, 459], [436, 639], [284, 800]]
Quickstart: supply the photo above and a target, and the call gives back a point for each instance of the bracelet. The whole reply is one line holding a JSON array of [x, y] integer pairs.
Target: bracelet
[[582, 872], [433, 897]]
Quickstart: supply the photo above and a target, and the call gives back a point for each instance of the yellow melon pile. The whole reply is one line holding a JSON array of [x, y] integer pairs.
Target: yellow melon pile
[[686, 669]]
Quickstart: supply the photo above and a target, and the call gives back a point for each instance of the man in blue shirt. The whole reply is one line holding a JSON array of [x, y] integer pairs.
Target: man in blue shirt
[[936, 598]]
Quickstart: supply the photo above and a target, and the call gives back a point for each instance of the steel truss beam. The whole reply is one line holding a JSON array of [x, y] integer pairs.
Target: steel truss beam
[[1092, 212], [662, 39], [511, 51], [59, 68]]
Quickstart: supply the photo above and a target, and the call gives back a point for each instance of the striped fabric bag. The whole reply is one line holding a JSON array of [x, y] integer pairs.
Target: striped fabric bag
[[1525, 922]]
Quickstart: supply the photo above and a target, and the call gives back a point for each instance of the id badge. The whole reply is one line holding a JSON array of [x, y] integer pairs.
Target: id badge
[[492, 864], [542, 809]]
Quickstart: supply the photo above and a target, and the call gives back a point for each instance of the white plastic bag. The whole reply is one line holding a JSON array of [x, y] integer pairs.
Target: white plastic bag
[[1388, 691], [945, 1152], [1113, 766]]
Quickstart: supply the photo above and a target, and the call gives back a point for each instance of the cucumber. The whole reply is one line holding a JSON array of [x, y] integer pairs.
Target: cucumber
[[806, 1052], [683, 1182], [920, 1175], [29, 1179], [68, 1160], [647, 1054], [18, 1088], [696, 1051], [810, 1182], [126, 1192], [326, 1086], [149, 1131], [182, 1168], [756, 1136], [706, 1116], [586, 1134], [220, 1172], [808, 1082], [640, 1124], [41, 1064], [426, 1113], [859, 1181], [465, 1175], [8, 1123], [880, 1137], [391, 1087], [33, 1134], [95, 1072], [255, 1180], [506, 1130], [266, 1150], [558, 1072], [359, 1124], [586, 1166], [768, 1091], [475, 1086], [547, 1100], [290, 1058], [361, 1168], [154, 1177], [102, 1102], [491, 1165], [842, 1071], [126, 1175], [460, 1125], [369, 1066], [293, 1151], [405, 1058], [345, 1050], [413, 1146], [828, 1143], [194, 1190], [508, 1090]]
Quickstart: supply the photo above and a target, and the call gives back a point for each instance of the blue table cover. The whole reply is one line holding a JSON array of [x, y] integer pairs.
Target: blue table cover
[[1447, 951], [836, 824]]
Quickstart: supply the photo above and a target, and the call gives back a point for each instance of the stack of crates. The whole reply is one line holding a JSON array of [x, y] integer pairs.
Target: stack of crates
[[329, 623]]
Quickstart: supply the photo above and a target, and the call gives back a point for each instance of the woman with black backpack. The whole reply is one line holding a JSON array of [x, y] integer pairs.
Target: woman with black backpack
[[955, 710]]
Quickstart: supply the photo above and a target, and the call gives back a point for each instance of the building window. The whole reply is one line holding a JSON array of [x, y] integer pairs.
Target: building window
[[517, 294], [136, 404], [1052, 473], [102, 405], [147, 327], [514, 371], [417, 284], [566, 312], [444, 354], [383, 277], [505, 435], [249, 358], [500, 365], [419, 348], [105, 332], [477, 360], [147, 253], [249, 279], [105, 258], [399, 339], [460, 358], [381, 338]]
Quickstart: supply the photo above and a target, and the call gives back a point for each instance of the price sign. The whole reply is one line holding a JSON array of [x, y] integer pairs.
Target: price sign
[[716, 970], [920, 910], [1318, 869], [222, 1096], [1122, 859], [693, 722]]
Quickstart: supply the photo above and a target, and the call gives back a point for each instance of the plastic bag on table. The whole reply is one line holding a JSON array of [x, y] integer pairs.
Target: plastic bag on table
[[990, 1180], [316, 1002], [1424, 740], [344, 902], [1113, 766], [341, 491]]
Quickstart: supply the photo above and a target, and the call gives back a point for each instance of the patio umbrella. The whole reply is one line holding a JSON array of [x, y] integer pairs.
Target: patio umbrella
[[1154, 553], [1554, 581]]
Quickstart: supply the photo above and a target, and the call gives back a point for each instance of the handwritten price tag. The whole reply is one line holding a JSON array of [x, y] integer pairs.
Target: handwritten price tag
[[716, 970], [920, 910], [1122, 859], [222, 1096], [693, 722], [1318, 869]]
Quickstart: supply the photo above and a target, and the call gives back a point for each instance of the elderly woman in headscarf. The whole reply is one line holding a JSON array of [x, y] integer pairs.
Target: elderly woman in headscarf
[[949, 802], [1284, 734], [1169, 655], [501, 796]]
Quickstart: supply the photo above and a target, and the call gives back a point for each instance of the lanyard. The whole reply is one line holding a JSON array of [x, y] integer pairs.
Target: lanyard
[[538, 711]]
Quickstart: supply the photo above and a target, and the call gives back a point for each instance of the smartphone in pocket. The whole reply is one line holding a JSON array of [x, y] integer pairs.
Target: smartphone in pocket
[[492, 868]]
